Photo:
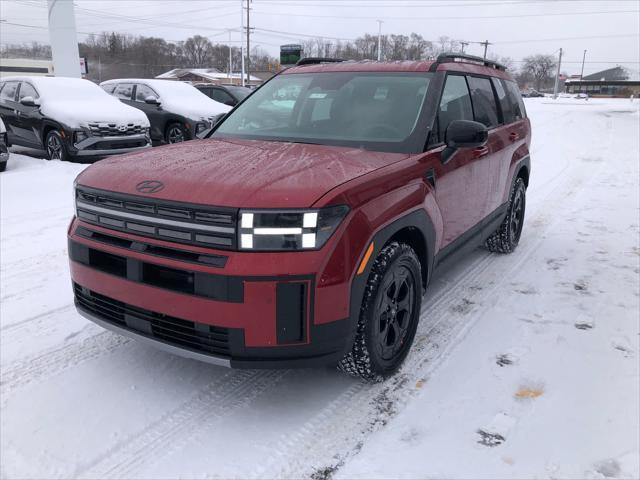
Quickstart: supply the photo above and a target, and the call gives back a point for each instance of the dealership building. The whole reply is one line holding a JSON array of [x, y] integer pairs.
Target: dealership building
[[613, 82]]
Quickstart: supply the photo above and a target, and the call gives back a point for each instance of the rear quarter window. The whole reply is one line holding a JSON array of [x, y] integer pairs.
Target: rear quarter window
[[508, 115], [516, 100], [485, 108], [9, 90]]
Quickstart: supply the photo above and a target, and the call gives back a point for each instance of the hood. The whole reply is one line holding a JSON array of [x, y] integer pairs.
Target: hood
[[237, 173], [103, 110]]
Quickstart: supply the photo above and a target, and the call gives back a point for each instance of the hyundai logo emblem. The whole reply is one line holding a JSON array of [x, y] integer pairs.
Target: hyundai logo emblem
[[149, 186], [122, 128]]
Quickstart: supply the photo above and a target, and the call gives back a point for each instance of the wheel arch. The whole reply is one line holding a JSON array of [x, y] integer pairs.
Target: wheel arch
[[47, 126], [414, 228]]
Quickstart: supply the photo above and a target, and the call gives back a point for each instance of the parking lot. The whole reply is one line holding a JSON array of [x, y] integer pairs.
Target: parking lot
[[513, 354]]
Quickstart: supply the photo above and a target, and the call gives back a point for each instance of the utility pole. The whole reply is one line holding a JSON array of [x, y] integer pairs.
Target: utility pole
[[248, 45], [379, 40], [584, 55], [462, 45], [555, 87], [230, 63], [486, 44], [241, 44]]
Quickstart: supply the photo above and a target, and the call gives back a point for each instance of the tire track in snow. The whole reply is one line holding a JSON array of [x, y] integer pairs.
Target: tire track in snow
[[327, 440], [56, 360], [174, 429]]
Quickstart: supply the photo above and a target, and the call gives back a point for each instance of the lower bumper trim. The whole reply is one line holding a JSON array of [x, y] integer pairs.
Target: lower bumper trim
[[180, 351]]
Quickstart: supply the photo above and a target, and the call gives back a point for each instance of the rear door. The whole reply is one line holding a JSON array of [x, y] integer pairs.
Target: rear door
[[8, 111], [492, 155], [124, 92]]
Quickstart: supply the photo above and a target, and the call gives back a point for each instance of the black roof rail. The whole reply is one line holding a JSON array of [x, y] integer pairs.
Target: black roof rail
[[461, 57], [316, 60]]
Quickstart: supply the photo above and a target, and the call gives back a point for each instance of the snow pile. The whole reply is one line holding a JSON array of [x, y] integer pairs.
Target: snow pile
[[75, 102], [181, 98]]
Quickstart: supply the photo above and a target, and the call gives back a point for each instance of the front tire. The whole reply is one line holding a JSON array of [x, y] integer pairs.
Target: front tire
[[505, 239], [175, 133], [56, 149], [388, 316]]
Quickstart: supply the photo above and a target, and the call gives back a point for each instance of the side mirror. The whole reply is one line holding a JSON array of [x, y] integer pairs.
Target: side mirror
[[152, 100], [466, 133], [29, 101]]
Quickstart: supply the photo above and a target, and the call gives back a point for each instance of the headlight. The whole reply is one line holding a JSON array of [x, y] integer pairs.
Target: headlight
[[289, 230]]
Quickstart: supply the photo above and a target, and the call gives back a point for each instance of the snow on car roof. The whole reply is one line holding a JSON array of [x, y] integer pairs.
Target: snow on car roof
[[162, 87], [61, 87]]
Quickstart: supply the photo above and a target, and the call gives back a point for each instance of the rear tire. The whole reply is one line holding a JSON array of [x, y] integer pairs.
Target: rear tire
[[56, 148], [505, 239], [388, 316], [175, 133], [3, 166]]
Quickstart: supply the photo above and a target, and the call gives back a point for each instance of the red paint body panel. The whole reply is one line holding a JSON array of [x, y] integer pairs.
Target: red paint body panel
[[237, 173]]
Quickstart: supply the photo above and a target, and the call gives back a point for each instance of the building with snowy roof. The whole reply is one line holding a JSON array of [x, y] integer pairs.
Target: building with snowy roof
[[207, 75]]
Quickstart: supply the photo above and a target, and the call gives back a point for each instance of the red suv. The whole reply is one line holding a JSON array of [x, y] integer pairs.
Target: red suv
[[305, 230]]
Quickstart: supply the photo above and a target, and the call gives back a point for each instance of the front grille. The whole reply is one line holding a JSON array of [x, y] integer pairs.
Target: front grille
[[175, 331], [115, 129], [182, 223]]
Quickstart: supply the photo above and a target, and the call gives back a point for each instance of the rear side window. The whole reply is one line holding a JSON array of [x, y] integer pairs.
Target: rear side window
[[221, 96], [516, 100], [9, 91], [27, 90], [455, 104], [484, 101], [508, 115], [124, 91]]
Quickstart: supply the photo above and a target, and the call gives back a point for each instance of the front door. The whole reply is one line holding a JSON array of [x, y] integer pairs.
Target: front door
[[28, 118], [461, 183], [154, 112]]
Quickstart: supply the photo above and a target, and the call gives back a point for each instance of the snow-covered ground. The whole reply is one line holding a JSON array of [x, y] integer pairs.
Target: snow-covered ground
[[524, 366]]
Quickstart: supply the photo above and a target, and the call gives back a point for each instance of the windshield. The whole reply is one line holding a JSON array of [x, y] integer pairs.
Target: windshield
[[362, 109]]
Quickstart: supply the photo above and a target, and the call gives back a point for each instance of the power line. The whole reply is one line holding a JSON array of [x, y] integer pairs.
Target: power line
[[454, 17]]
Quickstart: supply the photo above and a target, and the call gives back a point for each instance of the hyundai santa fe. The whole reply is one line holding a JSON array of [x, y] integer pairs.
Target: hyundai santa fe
[[306, 228]]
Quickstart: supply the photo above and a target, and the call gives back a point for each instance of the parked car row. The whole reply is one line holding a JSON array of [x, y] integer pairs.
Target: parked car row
[[73, 118]]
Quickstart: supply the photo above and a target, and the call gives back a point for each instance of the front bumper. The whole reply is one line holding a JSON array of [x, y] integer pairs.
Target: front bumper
[[112, 145], [236, 313]]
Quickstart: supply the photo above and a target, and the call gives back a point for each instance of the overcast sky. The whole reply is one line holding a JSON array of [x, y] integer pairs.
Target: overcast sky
[[608, 30]]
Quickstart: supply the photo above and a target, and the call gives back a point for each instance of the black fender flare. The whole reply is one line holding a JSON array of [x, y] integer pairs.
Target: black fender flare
[[417, 219]]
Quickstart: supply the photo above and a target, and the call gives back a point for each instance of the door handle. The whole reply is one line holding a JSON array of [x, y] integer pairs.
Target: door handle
[[513, 136], [480, 152]]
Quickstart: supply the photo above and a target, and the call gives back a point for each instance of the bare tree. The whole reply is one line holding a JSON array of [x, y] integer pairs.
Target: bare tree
[[540, 68], [197, 51]]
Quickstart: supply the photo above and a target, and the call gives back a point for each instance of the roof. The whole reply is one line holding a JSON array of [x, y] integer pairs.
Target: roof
[[208, 73], [613, 74], [398, 66]]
